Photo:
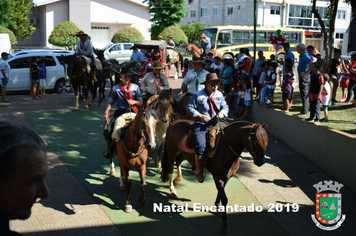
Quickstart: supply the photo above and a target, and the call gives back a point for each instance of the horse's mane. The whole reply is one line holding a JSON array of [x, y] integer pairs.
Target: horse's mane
[[165, 94], [260, 133]]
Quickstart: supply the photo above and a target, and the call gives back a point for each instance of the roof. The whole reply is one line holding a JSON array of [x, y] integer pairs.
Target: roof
[[44, 2], [151, 44]]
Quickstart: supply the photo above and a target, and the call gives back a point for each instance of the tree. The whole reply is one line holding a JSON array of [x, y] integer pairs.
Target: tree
[[164, 14], [328, 34], [179, 36], [4, 30], [193, 31], [13, 15], [63, 35], [127, 34]]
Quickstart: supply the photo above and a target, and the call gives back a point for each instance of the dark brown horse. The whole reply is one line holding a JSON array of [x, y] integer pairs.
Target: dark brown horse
[[132, 149], [224, 164]]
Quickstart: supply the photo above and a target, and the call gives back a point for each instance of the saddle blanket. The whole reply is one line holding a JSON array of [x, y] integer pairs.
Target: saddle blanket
[[121, 122]]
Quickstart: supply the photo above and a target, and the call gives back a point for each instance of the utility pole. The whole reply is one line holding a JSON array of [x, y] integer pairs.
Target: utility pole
[[254, 28]]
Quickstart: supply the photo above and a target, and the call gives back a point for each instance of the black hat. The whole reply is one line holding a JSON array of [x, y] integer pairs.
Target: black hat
[[134, 46], [4, 54], [126, 71]]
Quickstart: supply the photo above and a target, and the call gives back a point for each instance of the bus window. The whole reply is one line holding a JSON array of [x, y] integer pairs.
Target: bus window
[[211, 33], [240, 37], [224, 38], [292, 37], [260, 37]]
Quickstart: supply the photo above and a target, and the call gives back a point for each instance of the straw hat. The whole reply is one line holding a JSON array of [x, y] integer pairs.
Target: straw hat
[[81, 33], [157, 65], [202, 35], [212, 77]]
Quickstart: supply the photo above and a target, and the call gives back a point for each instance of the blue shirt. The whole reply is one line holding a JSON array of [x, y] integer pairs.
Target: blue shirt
[[173, 44], [228, 70], [43, 72], [119, 97], [137, 56], [199, 104], [304, 59], [257, 67], [288, 55], [206, 45]]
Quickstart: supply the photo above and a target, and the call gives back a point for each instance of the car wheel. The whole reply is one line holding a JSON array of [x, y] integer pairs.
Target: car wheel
[[62, 86]]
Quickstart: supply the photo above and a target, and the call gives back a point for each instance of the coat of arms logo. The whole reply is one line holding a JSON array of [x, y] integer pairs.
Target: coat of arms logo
[[328, 205]]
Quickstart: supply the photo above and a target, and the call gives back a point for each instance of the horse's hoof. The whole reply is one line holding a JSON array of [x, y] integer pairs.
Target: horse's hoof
[[141, 203], [112, 173], [76, 109], [86, 107], [128, 208], [159, 170], [174, 196], [152, 163]]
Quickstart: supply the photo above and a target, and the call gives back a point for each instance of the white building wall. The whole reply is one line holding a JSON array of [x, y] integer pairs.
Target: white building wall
[[56, 13], [79, 13]]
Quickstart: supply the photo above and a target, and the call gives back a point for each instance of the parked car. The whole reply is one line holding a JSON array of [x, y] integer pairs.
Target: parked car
[[118, 51], [20, 72], [348, 55]]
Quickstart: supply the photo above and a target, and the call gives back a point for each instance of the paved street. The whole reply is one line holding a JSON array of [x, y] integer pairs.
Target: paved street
[[285, 178]]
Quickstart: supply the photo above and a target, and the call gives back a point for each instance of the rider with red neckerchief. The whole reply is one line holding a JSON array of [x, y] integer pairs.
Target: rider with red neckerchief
[[127, 96]]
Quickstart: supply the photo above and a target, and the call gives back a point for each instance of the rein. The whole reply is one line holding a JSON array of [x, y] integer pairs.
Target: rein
[[79, 74]]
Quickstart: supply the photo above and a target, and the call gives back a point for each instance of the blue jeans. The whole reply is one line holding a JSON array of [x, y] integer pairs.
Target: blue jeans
[[263, 97], [199, 134]]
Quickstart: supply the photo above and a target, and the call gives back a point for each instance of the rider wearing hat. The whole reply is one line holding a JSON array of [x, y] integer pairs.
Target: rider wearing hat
[[85, 47], [205, 44], [170, 45], [205, 107], [154, 81], [127, 96]]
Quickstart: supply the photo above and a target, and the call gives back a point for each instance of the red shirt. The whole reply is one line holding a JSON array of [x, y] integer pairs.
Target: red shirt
[[352, 75]]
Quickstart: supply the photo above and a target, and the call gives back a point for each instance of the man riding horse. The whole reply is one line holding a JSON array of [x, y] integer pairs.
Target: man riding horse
[[206, 106], [85, 48], [127, 97], [170, 47]]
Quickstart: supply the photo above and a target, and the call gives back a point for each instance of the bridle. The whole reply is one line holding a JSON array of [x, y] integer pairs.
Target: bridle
[[78, 72]]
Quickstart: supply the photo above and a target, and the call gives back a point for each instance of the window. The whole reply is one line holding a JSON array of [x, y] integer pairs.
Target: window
[[302, 16], [190, 1], [203, 12], [275, 10], [230, 11], [193, 13], [240, 37], [260, 37], [48, 60], [127, 46], [215, 11], [20, 63], [224, 38], [341, 15], [339, 36]]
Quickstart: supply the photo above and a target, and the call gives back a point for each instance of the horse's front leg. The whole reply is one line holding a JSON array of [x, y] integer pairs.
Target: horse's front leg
[[142, 172], [128, 206], [76, 102], [177, 70], [179, 177], [151, 158], [159, 154], [220, 186], [112, 167]]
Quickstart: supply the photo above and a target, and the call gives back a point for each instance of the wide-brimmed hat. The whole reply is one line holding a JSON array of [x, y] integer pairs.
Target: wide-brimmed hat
[[160, 37], [212, 77], [81, 33], [134, 46], [198, 60], [227, 56], [169, 36], [126, 71], [157, 65], [202, 35]]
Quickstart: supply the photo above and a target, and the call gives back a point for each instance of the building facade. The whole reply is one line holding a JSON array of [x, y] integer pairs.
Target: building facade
[[99, 18], [277, 13]]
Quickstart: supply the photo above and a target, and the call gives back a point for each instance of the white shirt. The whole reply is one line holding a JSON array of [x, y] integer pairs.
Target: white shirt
[[148, 83], [86, 47], [262, 78], [191, 78], [219, 67], [6, 67], [325, 100], [272, 86]]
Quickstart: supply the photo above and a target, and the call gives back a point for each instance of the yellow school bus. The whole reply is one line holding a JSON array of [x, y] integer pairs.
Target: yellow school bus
[[230, 38]]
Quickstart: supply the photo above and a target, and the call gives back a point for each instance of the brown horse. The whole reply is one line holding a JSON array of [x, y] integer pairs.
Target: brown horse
[[194, 50], [164, 110], [215, 53], [131, 151], [224, 164], [177, 59]]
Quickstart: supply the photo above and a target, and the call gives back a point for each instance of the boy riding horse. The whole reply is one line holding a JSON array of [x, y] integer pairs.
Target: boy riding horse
[[170, 46]]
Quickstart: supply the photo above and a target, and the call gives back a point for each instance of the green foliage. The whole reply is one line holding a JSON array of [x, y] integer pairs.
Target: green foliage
[[4, 30], [179, 36], [127, 34], [193, 31], [13, 15], [164, 14], [63, 35]]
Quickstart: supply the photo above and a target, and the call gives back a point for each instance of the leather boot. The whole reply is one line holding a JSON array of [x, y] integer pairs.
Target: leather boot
[[200, 168], [93, 74], [106, 153]]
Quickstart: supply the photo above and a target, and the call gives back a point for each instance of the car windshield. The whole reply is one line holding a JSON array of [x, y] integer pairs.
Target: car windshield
[[211, 33], [106, 47]]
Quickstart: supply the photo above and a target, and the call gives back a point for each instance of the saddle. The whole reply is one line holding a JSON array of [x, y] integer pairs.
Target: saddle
[[120, 124], [87, 61], [212, 138]]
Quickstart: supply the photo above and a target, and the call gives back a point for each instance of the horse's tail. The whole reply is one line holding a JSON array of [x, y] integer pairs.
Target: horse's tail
[[181, 61], [165, 161]]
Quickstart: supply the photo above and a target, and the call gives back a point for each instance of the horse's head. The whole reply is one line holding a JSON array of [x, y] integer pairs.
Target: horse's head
[[148, 127], [256, 143], [100, 55], [164, 104]]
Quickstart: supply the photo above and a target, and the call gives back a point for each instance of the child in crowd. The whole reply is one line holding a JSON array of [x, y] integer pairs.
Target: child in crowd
[[326, 97], [242, 63], [241, 98], [247, 100], [289, 61], [271, 84], [287, 86], [218, 66], [352, 83], [272, 58], [263, 93], [43, 77], [234, 89], [207, 66], [315, 89], [186, 66], [260, 82], [280, 73], [344, 83]]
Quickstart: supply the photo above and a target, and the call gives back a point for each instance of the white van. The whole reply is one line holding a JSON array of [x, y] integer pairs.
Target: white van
[[20, 72], [5, 45]]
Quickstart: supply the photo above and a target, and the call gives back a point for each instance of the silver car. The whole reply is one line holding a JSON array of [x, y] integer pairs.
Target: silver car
[[118, 51]]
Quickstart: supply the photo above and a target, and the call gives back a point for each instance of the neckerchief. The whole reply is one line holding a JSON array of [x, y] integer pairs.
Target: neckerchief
[[211, 102], [128, 95], [170, 41], [156, 79]]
